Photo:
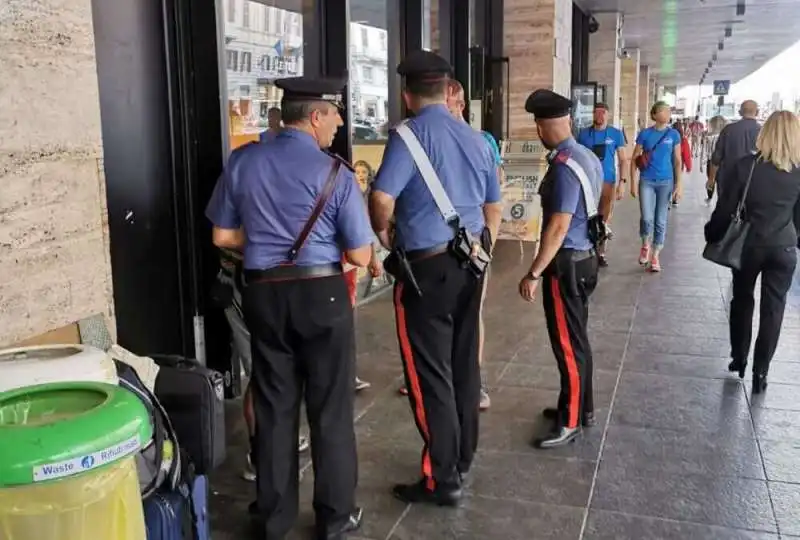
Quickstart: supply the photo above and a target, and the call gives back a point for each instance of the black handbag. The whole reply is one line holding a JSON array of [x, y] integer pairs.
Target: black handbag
[[727, 251]]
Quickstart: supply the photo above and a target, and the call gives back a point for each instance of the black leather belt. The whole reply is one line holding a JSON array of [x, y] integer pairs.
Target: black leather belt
[[419, 254], [291, 272]]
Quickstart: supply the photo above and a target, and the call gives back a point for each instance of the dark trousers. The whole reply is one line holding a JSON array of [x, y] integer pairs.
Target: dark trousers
[[438, 336], [566, 308], [776, 266], [303, 345]]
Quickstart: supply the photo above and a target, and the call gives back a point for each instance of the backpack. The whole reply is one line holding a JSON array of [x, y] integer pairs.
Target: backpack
[[159, 462]]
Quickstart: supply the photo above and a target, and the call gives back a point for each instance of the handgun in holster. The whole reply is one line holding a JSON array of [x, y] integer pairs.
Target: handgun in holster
[[461, 249], [398, 265]]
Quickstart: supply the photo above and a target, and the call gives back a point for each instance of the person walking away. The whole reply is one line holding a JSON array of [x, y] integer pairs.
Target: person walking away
[[566, 262], [657, 159], [696, 129], [772, 208], [438, 296], [686, 156], [294, 209], [273, 125], [735, 141], [715, 126], [608, 144]]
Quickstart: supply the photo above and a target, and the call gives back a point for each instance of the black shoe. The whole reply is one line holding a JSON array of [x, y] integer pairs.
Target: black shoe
[[418, 493], [588, 417], [351, 524], [738, 365], [759, 382], [557, 439]]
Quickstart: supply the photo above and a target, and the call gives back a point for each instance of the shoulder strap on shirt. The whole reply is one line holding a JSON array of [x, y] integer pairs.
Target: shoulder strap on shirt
[[660, 139], [427, 172], [324, 196], [586, 186]]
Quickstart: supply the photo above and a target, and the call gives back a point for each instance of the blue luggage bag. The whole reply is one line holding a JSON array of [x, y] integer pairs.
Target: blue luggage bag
[[175, 515]]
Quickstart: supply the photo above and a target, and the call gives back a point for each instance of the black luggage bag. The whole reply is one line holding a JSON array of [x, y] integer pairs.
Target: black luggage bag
[[193, 397]]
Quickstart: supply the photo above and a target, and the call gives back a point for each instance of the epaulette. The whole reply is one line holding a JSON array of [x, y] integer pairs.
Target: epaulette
[[341, 160], [561, 156]]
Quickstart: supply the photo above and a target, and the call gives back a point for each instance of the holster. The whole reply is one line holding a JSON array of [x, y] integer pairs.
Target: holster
[[598, 233], [461, 248], [399, 267]]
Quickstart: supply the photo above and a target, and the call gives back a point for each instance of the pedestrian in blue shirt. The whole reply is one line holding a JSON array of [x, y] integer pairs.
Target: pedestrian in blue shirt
[[437, 301], [657, 159], [608, 144], [566, 262], [456, 102], [293, 210]]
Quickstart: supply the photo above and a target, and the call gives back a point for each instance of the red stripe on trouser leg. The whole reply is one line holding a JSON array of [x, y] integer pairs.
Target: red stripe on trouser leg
[[414, 390], [573, 404]]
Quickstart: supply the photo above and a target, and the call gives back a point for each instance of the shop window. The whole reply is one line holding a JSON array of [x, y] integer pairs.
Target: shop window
[[263, 42], [369, 99]]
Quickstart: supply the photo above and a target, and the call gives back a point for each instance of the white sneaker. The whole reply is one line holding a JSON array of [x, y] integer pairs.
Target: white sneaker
[[362, 385], [302, 444], [249, 472]]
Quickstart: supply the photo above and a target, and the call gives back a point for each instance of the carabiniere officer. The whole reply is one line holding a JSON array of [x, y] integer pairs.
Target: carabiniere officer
[[296, 303], [437, 326], [566, 264]]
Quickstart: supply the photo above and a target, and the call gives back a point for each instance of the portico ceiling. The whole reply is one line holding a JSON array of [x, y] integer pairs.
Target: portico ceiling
[[678, 38]]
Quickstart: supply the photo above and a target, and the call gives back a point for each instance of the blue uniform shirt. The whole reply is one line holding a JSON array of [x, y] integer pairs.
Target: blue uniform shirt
[[498, 160], [271, 190], [466, 168], [268, 135], [612, 139], [561, 192], [660, 168]]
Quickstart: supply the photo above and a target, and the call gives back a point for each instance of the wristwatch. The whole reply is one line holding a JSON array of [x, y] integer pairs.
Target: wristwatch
[[533, 277]]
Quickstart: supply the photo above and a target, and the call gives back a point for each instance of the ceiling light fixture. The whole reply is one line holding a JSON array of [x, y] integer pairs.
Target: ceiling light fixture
[[740, 8], [720, 46], [728, 32]]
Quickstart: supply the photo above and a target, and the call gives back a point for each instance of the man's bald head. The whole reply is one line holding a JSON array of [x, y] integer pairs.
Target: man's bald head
[[749, 109]]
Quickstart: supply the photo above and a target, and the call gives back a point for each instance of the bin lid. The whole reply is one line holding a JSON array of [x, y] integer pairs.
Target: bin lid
[[52, 431]]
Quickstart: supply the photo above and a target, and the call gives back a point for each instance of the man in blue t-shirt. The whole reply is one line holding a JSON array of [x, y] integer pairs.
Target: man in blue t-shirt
[[608, 144], [456, 103]]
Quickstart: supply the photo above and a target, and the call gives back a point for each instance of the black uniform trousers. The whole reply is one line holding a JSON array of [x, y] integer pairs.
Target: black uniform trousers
[[566, 288], [438, 337], [303, 344], [776, 266]]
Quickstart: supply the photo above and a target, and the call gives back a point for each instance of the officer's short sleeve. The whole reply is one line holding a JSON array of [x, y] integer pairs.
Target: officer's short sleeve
[[397, 167], [352, 223], [566, 190], [221, 210]]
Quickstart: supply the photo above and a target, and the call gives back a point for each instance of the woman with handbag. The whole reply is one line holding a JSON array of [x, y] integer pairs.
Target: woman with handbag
[[762, 206], [657, 159]]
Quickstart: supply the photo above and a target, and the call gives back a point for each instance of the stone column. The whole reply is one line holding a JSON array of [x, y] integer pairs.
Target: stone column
[[629, 93], [538, 43], [645, 93], [604, 61]]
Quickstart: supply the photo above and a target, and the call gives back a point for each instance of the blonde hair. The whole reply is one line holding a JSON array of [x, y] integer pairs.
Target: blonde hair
[[716, 124], [779, 140]]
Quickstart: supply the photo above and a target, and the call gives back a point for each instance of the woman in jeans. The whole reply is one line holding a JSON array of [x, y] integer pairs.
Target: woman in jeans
[[772, 208], [657, 157]]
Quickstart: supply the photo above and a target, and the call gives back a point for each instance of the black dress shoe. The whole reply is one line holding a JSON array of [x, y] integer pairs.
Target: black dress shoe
[[738, 365], [558, 438], [351, 524], [419, 493], [589, 419], [759, 382]]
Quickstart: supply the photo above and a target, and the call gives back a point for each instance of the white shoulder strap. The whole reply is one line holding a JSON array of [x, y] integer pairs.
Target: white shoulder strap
[[586, 186], [427, 172]]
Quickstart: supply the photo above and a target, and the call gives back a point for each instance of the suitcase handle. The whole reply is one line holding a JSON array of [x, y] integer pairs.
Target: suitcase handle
[[174, 360]]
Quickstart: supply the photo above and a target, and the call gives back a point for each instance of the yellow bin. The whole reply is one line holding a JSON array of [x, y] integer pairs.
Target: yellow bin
[[67, 469]]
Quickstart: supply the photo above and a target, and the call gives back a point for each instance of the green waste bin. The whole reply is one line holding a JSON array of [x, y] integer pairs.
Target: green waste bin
[[67, 468]]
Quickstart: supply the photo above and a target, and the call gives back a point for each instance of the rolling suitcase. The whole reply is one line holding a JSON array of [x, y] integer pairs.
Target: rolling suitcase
[[180, 514], [193, 397]]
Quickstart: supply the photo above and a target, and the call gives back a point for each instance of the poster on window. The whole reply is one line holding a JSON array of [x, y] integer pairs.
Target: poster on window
[[525, 166]]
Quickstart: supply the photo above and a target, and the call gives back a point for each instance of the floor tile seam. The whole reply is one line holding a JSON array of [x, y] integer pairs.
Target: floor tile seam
[[634, 473], [749, 401], [403, 514], [514, 453], [523, 501], [508, 362], [686, 521], [593, 484], [723, 376]]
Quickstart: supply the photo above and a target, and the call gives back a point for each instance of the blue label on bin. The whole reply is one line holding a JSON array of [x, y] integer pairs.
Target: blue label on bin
[[68, 467]]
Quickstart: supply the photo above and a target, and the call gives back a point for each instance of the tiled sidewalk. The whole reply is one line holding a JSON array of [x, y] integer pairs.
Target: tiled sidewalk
[[682, 451]]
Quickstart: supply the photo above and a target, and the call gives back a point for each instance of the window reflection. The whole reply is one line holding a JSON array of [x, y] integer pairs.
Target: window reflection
[[263, 42]]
